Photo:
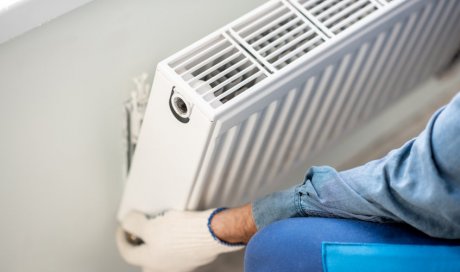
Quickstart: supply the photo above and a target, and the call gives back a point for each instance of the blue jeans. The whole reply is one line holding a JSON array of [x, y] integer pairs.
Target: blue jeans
[[295, 244]]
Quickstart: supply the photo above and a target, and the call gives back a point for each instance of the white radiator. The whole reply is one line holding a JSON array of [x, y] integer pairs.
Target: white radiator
[[231, 114]]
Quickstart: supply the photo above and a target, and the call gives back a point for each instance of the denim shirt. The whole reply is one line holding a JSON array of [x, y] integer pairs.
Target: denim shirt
[[418, 184]]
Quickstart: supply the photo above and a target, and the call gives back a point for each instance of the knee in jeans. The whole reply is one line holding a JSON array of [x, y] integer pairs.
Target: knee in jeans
[[277, 248]]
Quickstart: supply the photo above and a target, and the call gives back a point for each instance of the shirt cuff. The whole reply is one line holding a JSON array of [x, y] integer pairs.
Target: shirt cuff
[[298, 201], [276, 206]]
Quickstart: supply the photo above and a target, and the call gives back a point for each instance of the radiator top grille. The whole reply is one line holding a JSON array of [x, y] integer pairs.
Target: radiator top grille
[[219, 71], [278, 35], [263, 43], [337, 15]]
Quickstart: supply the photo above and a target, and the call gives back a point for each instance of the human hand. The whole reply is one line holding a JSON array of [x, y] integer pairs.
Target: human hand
[[173, 241]]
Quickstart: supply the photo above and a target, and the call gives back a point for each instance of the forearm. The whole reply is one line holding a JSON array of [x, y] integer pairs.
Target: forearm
[[323, 193]]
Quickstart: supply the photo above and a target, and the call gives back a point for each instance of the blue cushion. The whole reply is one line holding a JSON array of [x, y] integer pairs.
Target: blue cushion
[[344, 257]]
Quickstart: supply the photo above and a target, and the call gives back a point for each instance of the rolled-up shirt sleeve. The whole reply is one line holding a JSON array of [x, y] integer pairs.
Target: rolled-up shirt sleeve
[[418, 184]]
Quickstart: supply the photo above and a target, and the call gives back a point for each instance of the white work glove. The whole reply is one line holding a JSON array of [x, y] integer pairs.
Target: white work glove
[[174, 241]]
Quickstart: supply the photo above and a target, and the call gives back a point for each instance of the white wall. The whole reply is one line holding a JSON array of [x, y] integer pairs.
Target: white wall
[[62, 86]]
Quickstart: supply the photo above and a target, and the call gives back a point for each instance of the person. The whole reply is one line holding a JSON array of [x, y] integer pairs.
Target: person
[[412, 195]]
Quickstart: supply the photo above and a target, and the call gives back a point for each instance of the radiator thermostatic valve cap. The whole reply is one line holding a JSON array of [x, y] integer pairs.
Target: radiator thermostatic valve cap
[[180, 108]]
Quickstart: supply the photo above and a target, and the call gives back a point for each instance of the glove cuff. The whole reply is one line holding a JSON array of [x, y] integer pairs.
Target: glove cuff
[[211, 216]]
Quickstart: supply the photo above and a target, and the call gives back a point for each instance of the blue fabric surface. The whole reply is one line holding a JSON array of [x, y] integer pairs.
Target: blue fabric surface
[[338, 257], [295, 244], [418, 183]]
